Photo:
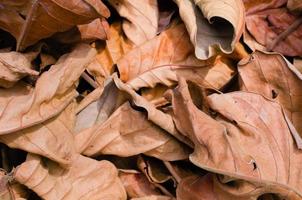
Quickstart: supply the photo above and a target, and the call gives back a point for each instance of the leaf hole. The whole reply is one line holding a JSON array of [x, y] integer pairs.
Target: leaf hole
[[274, 94]]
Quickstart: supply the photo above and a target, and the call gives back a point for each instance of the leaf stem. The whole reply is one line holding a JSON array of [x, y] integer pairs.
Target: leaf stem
[[285, 33]]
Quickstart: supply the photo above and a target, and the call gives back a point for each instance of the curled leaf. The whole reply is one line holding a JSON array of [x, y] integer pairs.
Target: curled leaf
[[22, 106], [13, 67], [212, 25]]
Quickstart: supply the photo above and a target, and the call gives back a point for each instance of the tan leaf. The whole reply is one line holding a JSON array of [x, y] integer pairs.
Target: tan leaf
[[100, 109], [294, 5], [44, 18], [141, 18], [52, 139], [298, 64], [126, 133], [154, 170], [85, 179], [212, 24], [137, 185], [250, 140], [97, 29], [22, 106], [156, 116], [13, 67], [272, 76], [154, 62], [154, 197], [5, 189], [115, 47], [271, 25]]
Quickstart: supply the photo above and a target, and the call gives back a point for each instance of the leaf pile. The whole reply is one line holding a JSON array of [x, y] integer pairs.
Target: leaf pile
[[151, 100]]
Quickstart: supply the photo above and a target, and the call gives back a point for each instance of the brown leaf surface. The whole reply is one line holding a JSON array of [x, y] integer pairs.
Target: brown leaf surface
[[212, 25], [250, 140], [272, 76], [294, 5], [53, 138], [14, 66], [137, 185], [109, 53], [85, 179], [44, 18], [154, 62], [126, 133], [97, 29], [156, 116], [22, 106], [100, 109], [141, 18], [267, 21]]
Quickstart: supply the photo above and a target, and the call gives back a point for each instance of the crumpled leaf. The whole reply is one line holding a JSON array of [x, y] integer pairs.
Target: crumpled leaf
[[126, 133], [137, 185], [272, 76], [14, 66], [44, 18], [141, 18], [156, 116], [213, 26], [154, 62], [154, 170], [53, 138], [22, 106], [85, 179], [250, 140], [267, 21]]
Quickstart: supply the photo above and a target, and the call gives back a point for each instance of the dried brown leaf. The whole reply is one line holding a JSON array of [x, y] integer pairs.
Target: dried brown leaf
[[156, 116], [22, 106], [44, 18], [141, 18], [272, 76], [269, 24], [294, 5], [126, 133], [85, 179], [97, 29], [53, 138], [137, 185], [167, 56], [249, 140], [212, 25], [13, 67]]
